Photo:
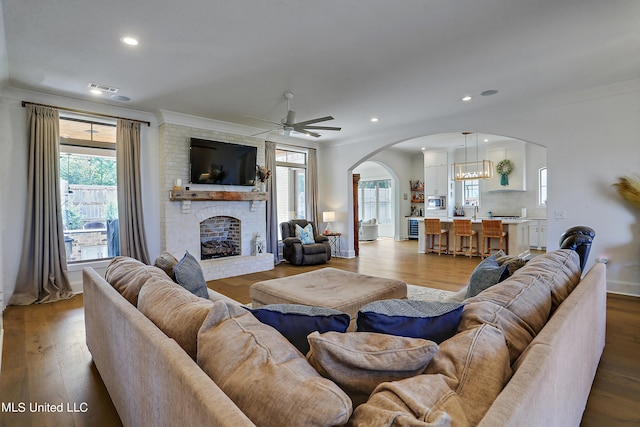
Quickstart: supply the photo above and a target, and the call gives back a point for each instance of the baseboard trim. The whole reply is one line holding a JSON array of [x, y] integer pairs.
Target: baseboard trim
[[623, 288]]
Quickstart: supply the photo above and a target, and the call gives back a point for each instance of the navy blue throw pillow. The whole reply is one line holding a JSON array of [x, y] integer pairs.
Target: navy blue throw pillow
[[429, 320], [296, 321]]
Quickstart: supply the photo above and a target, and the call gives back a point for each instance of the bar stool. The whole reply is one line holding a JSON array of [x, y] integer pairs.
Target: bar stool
[[432, 229], [462, 228], [492, 229]]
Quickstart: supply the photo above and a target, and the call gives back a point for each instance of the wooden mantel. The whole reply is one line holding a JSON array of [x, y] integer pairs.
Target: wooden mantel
[[227, 196]]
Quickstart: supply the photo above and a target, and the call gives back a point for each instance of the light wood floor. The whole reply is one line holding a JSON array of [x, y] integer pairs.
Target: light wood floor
[[45, 359]]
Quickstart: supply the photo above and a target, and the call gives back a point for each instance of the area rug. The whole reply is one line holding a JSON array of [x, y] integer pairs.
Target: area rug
[[421, 293]]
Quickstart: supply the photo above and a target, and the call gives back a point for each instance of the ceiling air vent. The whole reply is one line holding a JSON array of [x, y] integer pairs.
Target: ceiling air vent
[[103, 88]]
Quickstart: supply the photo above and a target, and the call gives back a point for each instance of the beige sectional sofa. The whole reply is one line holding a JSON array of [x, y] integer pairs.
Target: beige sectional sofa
[[525, 354]]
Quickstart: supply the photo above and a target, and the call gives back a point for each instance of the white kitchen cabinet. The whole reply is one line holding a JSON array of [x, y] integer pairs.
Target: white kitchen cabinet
[[436, 173], [516, 153], [538, 234], [435, 158], [436, 181]]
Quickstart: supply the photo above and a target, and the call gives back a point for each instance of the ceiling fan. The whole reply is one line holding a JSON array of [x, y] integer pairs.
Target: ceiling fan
[[289, 124]]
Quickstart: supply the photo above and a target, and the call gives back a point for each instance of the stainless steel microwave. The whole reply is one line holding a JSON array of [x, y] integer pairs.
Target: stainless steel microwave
[[436, 202]]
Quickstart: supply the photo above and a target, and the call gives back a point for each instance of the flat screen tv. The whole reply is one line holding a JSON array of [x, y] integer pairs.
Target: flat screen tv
[[224, 163]]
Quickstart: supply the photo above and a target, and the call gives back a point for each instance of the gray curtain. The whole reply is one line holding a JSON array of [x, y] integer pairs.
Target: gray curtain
[[133, 241], [272, 205], [312, 187], [42, 275]]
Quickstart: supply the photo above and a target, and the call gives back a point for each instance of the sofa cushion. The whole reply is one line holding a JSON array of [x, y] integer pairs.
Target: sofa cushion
[[264, 374], [518, 306], [475, 364], [175, 311], [458, 387], [128, 275], [296, 321], [359, 361], [559, 269], [486, 274], [424, 400], [189, 275], [430, 320], [165, 262], [305, 234]]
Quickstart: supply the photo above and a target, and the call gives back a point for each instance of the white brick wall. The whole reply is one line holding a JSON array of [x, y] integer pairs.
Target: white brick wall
[[181, 231]]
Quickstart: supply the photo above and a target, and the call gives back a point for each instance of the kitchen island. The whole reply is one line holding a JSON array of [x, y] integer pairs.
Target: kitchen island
[[518, 230]]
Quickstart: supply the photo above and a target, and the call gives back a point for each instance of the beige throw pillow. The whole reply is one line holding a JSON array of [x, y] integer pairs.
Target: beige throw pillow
[[264, 374], [165, 262], [175, 311], [359, 361]]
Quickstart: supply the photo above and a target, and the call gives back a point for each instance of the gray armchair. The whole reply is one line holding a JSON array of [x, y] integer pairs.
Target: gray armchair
[[298, 254]]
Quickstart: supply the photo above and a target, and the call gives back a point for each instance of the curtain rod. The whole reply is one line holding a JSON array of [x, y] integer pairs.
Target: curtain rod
[[73, 110]]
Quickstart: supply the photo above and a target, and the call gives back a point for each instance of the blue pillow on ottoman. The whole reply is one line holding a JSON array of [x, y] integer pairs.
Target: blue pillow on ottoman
[[295, 321], [429, 320]]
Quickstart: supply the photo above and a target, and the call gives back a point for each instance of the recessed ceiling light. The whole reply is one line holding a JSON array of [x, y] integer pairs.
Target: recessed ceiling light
[[121, 98], [489, 92], [486, 140], [374, 119], [96, 91], [129, 41], [466, 98], [423, 148]]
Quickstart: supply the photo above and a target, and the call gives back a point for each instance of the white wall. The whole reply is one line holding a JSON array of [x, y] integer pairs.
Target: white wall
[[591, 139], [13, 175]]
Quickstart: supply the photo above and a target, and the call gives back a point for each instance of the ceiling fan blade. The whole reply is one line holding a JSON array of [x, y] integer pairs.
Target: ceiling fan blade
[[322, 127], [264, 120], [306, 132], [309, 122], [264, 131]]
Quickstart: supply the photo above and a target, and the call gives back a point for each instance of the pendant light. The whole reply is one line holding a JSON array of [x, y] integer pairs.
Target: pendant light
[[480, 169]]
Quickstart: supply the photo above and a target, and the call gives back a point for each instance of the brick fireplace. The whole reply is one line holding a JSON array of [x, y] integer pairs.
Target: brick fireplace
[[181, 220], [219, 237]]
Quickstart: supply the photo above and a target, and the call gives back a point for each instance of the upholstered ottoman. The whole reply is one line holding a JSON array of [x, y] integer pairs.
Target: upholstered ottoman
[[327, 287]]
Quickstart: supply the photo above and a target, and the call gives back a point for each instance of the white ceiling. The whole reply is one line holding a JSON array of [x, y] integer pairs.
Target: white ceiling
[[402, 61]]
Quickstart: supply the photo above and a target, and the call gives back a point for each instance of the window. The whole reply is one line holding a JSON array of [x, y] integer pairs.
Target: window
[[542, 186], [291, 171], [88, 185], [374, 200], [471, 192]]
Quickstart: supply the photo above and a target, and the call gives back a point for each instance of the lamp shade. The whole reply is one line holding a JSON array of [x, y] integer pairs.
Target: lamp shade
[[328, 216]]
